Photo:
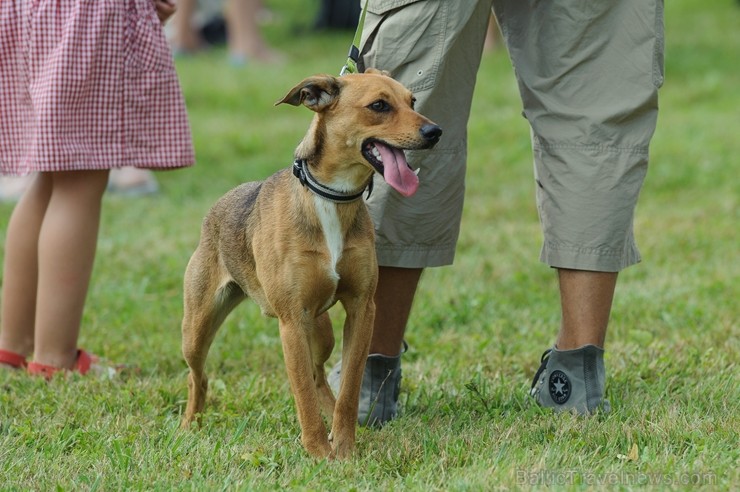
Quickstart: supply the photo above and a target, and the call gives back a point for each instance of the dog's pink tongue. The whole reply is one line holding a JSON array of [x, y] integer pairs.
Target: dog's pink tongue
[[397, 172]]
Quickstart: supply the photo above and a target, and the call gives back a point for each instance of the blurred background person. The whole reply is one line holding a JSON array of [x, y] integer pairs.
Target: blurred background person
[[198, 24]]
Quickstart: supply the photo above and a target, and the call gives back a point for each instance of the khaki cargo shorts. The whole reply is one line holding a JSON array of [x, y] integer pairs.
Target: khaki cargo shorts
[[588, 74]]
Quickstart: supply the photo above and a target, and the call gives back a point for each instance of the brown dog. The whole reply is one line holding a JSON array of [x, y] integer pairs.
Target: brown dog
[[297, 246]]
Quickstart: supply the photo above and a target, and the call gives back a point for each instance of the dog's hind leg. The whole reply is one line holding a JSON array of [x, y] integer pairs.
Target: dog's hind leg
[[321, 340], [205, 311]]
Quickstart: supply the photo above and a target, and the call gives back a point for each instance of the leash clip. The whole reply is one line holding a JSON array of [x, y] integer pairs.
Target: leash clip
[[351, 64]]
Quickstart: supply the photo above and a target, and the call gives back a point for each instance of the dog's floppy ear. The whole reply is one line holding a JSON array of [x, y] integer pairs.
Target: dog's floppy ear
[[316, 93]]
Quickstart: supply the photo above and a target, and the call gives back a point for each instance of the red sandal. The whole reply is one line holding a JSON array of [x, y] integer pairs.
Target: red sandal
[[82, 365], [16, 361]]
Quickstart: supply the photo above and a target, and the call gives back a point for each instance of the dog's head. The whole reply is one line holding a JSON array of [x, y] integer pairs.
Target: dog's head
[[366, 119]]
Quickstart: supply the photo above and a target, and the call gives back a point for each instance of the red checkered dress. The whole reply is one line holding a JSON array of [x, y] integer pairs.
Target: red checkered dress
[[88, 84]]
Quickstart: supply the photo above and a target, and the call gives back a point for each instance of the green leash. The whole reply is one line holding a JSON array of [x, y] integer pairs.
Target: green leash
[[350, 65]]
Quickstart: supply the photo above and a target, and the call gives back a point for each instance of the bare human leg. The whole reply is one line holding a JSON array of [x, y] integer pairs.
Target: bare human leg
[[66, 251], [20, 269], [586, 301], [245, 38], [186, 37], [394, 298]]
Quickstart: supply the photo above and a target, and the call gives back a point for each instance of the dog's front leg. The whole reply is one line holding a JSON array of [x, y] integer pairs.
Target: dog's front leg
[[358, 330], [299, 364], [322, 344]]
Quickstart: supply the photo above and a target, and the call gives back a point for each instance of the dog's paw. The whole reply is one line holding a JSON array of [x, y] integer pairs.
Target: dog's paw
[[318, 448], [342, 449]]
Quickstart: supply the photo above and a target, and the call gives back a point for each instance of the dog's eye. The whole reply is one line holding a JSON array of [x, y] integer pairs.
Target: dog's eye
[[413, 103], [380, 106]]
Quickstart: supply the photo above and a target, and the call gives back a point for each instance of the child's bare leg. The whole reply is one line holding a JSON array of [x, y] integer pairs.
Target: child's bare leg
[[20, 269], [66, 251]]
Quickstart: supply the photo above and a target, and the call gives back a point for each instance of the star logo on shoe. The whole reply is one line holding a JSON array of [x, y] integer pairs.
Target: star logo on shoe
[[559, 387]]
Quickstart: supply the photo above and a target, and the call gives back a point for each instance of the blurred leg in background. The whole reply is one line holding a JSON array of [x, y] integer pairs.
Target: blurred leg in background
[[198, 25]]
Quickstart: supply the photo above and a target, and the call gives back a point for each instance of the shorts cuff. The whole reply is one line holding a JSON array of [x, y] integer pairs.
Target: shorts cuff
[[414, 256], [588, 258]]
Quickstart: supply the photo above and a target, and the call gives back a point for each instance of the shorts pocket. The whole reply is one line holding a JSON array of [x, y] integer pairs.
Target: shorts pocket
[[412, 43]]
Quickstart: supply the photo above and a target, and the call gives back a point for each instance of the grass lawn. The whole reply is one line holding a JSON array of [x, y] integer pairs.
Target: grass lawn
[[477, 330]]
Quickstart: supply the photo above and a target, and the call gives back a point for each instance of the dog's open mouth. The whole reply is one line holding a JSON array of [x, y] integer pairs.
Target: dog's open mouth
[[390, 162]]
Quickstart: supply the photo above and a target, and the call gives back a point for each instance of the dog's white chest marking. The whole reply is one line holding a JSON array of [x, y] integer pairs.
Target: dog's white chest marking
[[327, 213]]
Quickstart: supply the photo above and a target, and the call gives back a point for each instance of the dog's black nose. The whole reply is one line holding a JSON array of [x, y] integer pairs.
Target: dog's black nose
[[431, 133]]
